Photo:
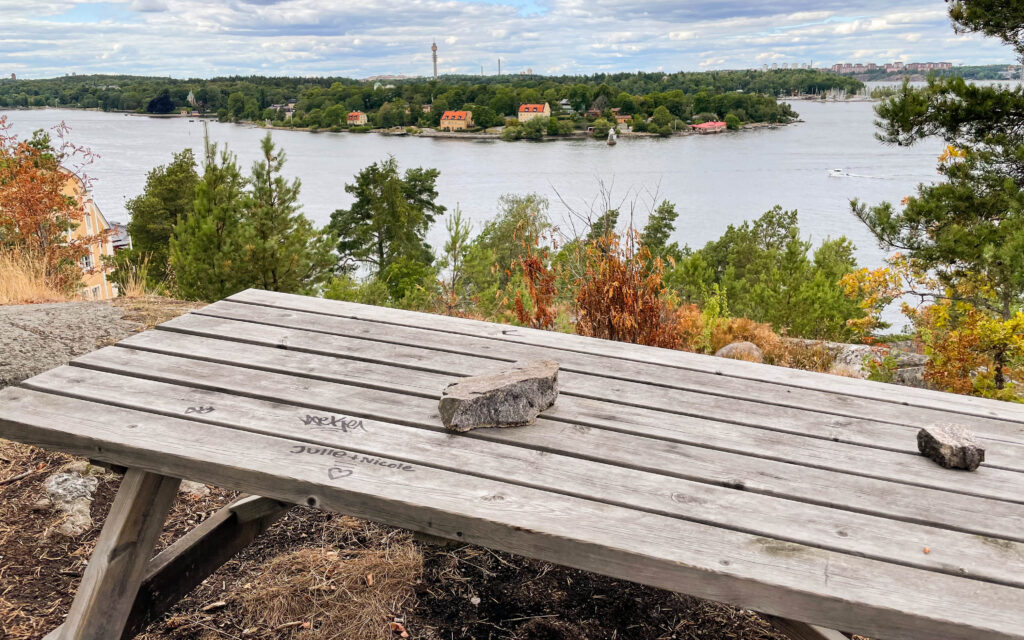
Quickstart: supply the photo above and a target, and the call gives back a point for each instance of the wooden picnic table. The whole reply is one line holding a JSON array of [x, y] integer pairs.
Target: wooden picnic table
[[798, 495]]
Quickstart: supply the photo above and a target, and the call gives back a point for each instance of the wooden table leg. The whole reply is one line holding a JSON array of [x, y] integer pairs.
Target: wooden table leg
[[123, 550], [192, 558]]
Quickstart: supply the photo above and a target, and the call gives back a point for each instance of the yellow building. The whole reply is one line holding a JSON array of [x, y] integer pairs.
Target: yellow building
[[95, 285], [456, 120], [528, 112]]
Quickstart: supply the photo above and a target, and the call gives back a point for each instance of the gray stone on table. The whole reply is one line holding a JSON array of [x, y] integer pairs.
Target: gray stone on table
[[506, 399], [70, 494], [951, 445], [741, 351]]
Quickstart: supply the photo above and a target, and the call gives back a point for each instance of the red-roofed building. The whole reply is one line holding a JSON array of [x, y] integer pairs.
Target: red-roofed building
[[530, 111], [356, 119], [456, 120], [716, 126]]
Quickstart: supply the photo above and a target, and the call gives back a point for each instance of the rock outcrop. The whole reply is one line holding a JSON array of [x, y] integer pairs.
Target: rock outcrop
[[741, 351]]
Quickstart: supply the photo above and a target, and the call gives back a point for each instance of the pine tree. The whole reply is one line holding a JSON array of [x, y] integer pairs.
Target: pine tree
[[659, 228], [389, 218], [280, 247], [968, 231], [168, 197], [204, 247]]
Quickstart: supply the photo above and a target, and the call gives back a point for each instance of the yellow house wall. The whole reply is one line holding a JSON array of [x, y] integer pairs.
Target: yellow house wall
[[527, 116], [456, 125], [94, 281]]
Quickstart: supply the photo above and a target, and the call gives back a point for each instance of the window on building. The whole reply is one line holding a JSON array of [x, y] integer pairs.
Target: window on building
[[96, 292], [86, 261]]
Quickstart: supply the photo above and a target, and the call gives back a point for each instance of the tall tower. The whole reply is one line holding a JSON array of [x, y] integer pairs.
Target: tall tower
[[433, 47]]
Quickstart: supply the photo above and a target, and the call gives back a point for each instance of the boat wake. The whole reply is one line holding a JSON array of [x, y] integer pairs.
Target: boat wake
[[841, 173]]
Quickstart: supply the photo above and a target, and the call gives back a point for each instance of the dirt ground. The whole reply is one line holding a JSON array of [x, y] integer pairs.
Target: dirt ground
[[445, 593], [315, 575]]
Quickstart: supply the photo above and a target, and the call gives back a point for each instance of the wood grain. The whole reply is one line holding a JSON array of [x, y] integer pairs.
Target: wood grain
[[637, 386], [751, 372], [707, 466], [651, 491], [111, 580], [181, 567], [912, 469], [785, 579]]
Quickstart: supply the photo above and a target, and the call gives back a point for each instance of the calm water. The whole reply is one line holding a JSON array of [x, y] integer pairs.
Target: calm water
[[714, 180]]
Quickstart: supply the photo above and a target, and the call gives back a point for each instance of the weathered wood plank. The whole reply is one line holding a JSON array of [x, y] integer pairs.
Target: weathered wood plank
[[897, 467], [125, 544], [922, 398], [878, 538], [587, 376], [792, 581], [913, 504], [181, 567]]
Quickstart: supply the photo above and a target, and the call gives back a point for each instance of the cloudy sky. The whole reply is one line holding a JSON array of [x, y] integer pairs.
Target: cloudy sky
[[187, 38]]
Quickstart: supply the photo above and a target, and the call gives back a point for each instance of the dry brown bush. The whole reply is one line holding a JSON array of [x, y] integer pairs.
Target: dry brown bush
[[777, 350], [335, 595], [23, 280]]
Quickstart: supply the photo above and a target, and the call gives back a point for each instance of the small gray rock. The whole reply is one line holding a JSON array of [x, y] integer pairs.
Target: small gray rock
[[507, 399], [71, 495], [66, 487], [951, 445], [741, 351], [194, 489]]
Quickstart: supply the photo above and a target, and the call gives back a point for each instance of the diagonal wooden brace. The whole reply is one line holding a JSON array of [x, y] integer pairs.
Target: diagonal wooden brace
[[118, 563], [182, 566], [123, 589]]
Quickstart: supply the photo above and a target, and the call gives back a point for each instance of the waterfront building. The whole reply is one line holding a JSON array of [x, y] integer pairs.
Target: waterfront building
[[456, 120], [528, 112], [119, 238], [716, 126], [356, 119], [94, 226]]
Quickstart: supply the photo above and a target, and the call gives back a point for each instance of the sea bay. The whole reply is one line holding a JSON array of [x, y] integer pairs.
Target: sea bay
[[714, 180]]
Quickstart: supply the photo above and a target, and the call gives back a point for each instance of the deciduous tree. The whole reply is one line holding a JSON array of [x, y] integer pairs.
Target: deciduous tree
[[37, 210]]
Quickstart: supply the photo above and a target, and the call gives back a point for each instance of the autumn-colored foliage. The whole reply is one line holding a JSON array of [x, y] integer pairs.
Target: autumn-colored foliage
[[971, 352], [540, 286], [974, 346], [620, 295], [37, 213]]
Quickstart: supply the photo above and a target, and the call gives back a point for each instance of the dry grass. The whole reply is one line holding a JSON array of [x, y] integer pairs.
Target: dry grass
[[23, 280], [150, 310], [333, 595]]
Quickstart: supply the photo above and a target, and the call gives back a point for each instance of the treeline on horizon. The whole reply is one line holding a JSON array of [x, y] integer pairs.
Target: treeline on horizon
[[967, 72], [324, 102]]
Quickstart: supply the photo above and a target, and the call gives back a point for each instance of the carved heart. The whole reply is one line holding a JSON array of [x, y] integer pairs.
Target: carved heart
[[335, 473]]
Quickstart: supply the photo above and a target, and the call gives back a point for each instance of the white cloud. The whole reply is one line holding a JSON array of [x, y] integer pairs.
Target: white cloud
[[149, 5], [325, 37]]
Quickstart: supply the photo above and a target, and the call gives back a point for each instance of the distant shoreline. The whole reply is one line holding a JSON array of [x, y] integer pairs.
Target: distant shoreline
[[476, 136]]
